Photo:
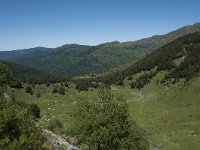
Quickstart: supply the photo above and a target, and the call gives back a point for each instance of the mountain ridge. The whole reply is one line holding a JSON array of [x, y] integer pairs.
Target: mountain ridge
[[72, 60]]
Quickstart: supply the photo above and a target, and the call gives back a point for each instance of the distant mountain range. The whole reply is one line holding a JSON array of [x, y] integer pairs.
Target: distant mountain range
[[9, 55], [75, 60]]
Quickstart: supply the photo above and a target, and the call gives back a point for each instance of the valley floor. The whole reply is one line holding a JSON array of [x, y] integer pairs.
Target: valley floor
[[169, 114]]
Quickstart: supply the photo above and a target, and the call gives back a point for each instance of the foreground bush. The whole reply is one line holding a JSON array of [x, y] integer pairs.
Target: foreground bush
[[104, 124], [17, 128]]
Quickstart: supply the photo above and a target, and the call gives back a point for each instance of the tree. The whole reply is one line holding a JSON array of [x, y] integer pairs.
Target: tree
[[28, 89], [34, 111], [37, 95], [16, 84], [66, 84], [105, 124], [5, 74], [61, 90], [17, 128], [55, 90]]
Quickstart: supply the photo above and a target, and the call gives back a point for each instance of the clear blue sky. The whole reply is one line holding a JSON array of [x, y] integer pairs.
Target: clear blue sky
[[52, 23]]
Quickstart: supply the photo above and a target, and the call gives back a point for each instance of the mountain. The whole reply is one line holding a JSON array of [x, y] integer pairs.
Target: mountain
[[76, 60], [180, 58], [14, 54], [30, 75], [161, 91]]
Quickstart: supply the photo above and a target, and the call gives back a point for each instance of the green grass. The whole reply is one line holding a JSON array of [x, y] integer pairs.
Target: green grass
[[170, 115]]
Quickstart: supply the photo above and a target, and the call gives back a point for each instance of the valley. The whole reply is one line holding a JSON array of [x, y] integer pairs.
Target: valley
[[152, 110], [152, 103]]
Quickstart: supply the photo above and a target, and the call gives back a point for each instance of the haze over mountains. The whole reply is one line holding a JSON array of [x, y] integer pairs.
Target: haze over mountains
[[75, 60]]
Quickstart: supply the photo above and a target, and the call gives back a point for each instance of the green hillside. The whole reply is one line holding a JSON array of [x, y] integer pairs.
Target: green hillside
[[7, 55], [30, 75], [161, 90], [180, 57], [18, 128], [75, 60]]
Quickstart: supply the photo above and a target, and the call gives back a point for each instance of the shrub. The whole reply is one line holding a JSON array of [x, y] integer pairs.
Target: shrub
[[61, 90], [34, 111], [55, 90], [105, 124], [54, 125], [28, 89], [37, 95], [16, 84], [18, 130], [66, 84]]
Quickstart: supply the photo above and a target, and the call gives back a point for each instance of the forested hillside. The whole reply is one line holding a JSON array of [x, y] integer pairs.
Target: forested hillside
[[7, 55], [30, 75], [181, 57], [75, 60]]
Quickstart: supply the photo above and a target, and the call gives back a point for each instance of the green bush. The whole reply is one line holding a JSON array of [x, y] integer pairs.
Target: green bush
[[16, 84], [54, 125], [61, 90], [17, 128], [66, 84], [104, 124], [5, 74], [55, 90], [34, 110], [37, 95], [28, 89]]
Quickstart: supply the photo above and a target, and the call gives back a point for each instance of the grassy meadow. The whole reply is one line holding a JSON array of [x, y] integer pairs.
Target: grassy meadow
[[169, 114]]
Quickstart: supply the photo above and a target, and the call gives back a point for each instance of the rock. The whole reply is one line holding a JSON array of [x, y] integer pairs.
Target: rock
[[57, 141], [160, 145], [194, 133], [6, 96]]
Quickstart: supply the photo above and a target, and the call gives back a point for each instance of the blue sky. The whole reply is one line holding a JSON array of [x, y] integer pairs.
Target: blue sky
[[52, 23]]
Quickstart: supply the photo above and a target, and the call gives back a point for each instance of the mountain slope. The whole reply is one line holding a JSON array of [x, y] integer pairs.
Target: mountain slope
[[162, 91], [76, 60], [180, 57], [8, 55], [30, 75]]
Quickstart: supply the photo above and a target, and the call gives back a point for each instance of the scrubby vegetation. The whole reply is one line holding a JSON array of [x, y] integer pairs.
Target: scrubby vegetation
[[28, 89], [17, 121], [161, 109], [105, 124], [143, 80], [17, 128], [162, 58], [5, 74], [190, 66], [59, 89]]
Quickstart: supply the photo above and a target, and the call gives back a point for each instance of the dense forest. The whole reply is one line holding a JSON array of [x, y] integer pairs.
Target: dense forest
[[30, 75]]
